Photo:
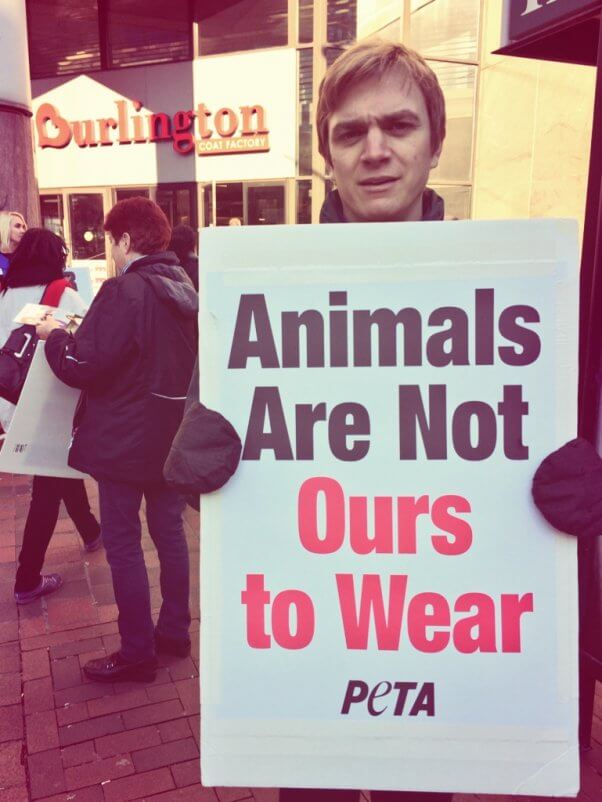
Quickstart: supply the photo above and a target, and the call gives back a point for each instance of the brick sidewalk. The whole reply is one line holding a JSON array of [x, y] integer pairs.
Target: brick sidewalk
[[65, 739]]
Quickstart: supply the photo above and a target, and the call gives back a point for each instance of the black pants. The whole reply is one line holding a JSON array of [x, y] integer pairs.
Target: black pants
[[319, 795], [46, 496]]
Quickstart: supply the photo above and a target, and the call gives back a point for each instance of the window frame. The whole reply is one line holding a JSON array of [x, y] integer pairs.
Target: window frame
[[105, 47]]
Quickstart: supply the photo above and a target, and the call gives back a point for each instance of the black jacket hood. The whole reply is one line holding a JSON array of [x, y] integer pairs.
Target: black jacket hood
[[433, 207], [170, 282]]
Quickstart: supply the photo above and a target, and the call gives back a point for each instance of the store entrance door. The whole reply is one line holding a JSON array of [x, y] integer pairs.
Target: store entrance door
[[250, 204], [265, 204]]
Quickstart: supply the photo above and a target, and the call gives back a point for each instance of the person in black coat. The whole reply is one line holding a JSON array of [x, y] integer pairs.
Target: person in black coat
[[133, 357], [183, 244]]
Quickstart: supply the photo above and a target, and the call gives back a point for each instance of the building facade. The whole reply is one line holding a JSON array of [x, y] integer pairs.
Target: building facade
[[207, 106]]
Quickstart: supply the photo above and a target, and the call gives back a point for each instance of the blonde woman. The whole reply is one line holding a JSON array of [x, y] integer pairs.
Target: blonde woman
[[12, 228]]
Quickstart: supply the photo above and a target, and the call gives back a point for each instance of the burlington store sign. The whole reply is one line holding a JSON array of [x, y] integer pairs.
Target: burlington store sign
[[243, 130]]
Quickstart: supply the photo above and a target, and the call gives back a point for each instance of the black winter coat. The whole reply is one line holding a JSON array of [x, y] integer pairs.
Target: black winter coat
[[433, 207], [132, 356]]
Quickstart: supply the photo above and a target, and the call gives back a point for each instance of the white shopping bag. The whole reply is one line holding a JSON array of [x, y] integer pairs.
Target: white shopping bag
[[39, 435]]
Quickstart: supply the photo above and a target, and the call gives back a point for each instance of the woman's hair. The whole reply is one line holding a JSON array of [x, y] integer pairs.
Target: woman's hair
[[183, 239], [39, 259], [5, 229], [143, 220]]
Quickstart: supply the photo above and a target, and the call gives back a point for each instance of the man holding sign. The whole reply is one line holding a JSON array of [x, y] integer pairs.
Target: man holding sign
[[381, 125], [383, 608]]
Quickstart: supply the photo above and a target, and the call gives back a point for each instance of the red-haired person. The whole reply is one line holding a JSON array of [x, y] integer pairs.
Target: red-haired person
[[381, 125], [133, 357]]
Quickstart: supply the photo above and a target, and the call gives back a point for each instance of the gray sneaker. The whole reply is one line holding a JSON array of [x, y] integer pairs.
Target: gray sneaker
[[48, 584]]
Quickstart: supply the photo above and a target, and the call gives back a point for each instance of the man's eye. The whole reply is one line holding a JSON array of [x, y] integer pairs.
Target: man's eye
[[400, 128], [348, 136]]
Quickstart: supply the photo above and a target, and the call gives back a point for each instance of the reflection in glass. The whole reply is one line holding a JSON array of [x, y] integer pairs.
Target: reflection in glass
[[304, 201], [228, 203], [148, 32], [341, 20], [178, 205], [51, 207], [245, 25], [265, 205], [305, 111], [124, 194], [458, 84], [86, 218], [446, 29], [207, 204], [63, 37], [306, 21]]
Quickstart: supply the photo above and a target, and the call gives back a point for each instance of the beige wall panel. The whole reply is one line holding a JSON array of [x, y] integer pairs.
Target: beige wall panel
[[563, 124], [491, 36], [504, 145], [372, 15]]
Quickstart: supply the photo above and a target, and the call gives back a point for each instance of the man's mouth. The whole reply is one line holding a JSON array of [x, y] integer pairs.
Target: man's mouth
[[378, 181]]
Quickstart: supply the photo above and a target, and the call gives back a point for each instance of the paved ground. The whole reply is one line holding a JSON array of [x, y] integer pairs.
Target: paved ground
[[64, 739]]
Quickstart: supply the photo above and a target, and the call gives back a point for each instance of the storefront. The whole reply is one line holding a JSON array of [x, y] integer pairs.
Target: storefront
[[208, 108]]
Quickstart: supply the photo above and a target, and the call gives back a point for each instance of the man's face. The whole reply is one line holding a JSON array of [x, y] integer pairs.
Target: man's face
[[119, 252], [380, 148]]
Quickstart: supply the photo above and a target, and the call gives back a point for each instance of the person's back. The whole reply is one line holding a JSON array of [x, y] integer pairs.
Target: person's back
[[183, 244], [133, 357]]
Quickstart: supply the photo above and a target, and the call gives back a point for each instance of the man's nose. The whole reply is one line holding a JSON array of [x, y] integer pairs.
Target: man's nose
[[376, 146]]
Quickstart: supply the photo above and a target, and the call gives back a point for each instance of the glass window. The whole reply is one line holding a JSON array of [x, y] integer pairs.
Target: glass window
[[179, 205], [458, 84], [341, 20], [51, 207], [207, 201], [391, 32], [244, 25], [228, 202], [63, 37], [265, 205], [457, 201], [446, 29], [304, 112], [124, 194], [149, 32], [304, 201], [86, 218], [306, 21]]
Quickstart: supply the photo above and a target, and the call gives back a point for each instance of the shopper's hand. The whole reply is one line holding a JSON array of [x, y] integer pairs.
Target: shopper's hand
[[47, 325]]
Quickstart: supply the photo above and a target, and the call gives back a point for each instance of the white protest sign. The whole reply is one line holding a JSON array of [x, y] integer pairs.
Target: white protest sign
[[383, 606], [39, 435]]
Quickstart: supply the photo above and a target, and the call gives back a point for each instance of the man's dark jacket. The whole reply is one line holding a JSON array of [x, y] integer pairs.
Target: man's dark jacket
[[133, 357], [433, 207]]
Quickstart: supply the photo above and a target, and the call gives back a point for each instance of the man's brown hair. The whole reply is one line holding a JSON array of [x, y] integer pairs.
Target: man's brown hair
[[377, 58], [143, 220]]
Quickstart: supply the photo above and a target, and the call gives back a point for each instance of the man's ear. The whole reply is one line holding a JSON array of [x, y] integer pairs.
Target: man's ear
[[126, 239], [435, 157]]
